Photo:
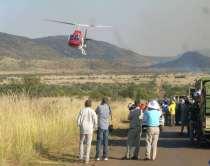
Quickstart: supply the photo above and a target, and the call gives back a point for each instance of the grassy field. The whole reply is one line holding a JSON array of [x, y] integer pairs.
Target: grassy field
[[39, 130], [43, 130]]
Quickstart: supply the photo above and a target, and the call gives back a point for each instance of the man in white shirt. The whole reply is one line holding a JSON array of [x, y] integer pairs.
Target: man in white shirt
[[87, 122]]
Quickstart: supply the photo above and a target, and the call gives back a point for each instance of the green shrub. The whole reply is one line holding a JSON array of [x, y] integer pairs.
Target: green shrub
[[174, 90], [34, 88]]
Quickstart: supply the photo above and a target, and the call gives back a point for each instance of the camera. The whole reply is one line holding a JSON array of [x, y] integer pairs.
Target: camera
[[131, 106]]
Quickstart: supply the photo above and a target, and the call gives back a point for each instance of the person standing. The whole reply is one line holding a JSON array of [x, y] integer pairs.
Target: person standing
[[134, 134], [184, 114], [193, 119], [172, 111], [152, 121], [165, 103], [103, 112], [87, 122]]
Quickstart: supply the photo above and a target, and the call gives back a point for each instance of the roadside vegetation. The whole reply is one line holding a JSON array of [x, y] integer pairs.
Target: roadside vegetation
[[171, 90], [32, 86]]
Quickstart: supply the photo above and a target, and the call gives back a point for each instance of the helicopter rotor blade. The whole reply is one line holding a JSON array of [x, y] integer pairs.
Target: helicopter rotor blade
[[94, 26], [102, 26], [62, 22], [80, 25]]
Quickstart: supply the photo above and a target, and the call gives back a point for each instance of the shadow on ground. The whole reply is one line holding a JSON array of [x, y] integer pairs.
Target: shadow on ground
[[119, 133], [169, 138], [44, 152]]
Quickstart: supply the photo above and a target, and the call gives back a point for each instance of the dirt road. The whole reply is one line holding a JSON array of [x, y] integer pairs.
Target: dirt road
[[174, 150]]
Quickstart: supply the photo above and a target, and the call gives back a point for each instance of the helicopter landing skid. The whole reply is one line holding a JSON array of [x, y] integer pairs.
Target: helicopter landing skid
[[84, 52]]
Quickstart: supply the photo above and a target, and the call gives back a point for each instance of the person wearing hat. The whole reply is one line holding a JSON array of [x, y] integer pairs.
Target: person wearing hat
[[152, 121], [134, 133]]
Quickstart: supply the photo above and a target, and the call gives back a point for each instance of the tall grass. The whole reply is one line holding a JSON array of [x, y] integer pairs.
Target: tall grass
[[34, 129]]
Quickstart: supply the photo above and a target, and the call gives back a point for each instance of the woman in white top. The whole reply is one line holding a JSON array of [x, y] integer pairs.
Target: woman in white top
[[87, 122]]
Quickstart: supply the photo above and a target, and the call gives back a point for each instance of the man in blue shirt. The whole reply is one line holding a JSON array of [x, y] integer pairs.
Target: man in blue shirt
[[103, 112], [152, 121]]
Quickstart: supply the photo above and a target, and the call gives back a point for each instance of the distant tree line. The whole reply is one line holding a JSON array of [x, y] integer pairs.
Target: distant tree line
[[171, 90], [32, 86]]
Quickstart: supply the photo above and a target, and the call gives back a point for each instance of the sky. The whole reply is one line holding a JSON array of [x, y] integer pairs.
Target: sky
[[148, 27]]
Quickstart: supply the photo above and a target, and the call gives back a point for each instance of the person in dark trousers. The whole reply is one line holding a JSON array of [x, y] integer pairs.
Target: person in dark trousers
[[185, 106], [104, 113], [134, 134], [193, 119]]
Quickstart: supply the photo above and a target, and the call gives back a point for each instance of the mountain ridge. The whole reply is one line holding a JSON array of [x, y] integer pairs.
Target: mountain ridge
[[189, 61], [54, 53]]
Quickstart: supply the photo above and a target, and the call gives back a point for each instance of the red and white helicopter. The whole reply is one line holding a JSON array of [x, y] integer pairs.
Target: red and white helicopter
[[79, 37]]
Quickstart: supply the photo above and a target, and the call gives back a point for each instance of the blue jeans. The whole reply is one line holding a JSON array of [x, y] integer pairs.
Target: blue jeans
[[102, 139]]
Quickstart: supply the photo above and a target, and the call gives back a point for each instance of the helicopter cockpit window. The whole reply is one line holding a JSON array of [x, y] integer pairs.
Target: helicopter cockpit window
[[76, 37], [71, 37]]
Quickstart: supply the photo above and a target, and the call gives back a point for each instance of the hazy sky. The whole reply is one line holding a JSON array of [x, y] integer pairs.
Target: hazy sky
[[149, 27]]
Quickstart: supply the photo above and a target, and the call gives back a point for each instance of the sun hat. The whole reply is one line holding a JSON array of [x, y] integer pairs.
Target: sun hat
[[153, 104]]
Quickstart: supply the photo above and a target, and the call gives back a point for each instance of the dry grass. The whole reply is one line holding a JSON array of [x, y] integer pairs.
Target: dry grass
[[68, 78], [173, 79], [42, 128]]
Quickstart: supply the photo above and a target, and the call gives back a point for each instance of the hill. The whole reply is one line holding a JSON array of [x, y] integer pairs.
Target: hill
[[97, 50], [50, 54], [189, 61], [205, 52], [21, 47]]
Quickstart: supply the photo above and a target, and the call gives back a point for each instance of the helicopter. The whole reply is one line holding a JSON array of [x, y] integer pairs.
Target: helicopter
[[78, 39]]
